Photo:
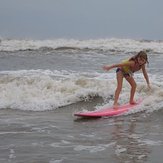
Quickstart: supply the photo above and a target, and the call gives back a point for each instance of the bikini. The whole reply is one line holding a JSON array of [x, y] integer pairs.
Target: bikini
[[128, 71], [125, 74]]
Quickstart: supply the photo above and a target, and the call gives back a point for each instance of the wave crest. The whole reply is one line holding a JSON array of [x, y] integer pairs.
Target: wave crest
[[108, 46], [39, 90]]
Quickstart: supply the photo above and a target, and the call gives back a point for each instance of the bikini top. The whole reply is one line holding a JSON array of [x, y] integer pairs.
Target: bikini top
[[131, 69]]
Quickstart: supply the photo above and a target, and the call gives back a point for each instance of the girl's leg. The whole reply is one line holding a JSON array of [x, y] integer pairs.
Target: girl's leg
[[119, 87], [133, 88]]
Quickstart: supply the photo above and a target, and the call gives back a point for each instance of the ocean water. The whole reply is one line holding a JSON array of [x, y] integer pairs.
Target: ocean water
[[43, 82]]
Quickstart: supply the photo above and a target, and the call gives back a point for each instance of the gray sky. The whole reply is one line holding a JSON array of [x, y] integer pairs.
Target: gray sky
[[81, 19]]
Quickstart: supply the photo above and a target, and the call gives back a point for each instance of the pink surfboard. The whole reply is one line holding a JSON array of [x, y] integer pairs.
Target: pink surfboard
[[109, 112]]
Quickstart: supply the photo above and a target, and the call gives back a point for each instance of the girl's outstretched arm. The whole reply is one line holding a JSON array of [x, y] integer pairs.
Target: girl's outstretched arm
[[108, 67]]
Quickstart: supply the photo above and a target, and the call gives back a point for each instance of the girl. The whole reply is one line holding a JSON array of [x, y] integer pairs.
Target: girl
[[126, 70]]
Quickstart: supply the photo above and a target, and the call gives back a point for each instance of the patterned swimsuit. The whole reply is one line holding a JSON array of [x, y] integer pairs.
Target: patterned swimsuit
[[128, 71]]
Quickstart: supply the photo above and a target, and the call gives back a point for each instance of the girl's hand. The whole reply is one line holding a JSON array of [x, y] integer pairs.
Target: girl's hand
[[107, 68], [149, 87]]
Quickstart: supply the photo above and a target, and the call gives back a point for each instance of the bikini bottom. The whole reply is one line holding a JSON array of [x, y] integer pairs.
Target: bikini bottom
[[125, 74]]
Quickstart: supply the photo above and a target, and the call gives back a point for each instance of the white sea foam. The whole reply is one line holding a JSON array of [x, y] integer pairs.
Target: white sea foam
[[55, 161], [151, 142], [92, 149], [119, 150], [113, 45], [39, 90]]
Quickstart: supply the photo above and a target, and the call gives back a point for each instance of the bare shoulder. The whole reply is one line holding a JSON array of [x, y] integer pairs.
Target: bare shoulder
[[143, 67], [131, 63]]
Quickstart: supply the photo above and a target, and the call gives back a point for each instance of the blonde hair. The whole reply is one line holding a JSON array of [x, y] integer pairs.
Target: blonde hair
[[141, 54]]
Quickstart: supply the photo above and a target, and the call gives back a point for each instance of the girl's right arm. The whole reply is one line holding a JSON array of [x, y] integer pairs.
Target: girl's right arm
[[108, 67], [129, 63]]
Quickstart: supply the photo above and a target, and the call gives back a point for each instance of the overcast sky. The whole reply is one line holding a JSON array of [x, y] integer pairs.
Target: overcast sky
[[81, 19]]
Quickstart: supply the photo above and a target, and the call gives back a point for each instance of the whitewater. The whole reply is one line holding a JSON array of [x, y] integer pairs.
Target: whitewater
[[112, 45]]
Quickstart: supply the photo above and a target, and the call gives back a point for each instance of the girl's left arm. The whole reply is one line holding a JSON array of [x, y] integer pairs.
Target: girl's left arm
[[146, 76]]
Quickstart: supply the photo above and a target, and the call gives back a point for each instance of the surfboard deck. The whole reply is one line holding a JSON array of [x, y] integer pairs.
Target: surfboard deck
[[109, 112]]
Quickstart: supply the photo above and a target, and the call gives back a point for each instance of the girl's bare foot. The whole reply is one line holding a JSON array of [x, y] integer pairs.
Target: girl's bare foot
[[115, 106], [133, 102]]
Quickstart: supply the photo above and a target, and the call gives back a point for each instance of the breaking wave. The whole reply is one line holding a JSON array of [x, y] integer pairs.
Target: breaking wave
[[104, 46], [41, 90]]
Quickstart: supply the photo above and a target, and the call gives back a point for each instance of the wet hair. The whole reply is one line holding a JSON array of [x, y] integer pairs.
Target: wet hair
[[141, 54]]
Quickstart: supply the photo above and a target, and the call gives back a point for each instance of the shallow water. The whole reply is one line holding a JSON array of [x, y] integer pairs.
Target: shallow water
[[57, 136]]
